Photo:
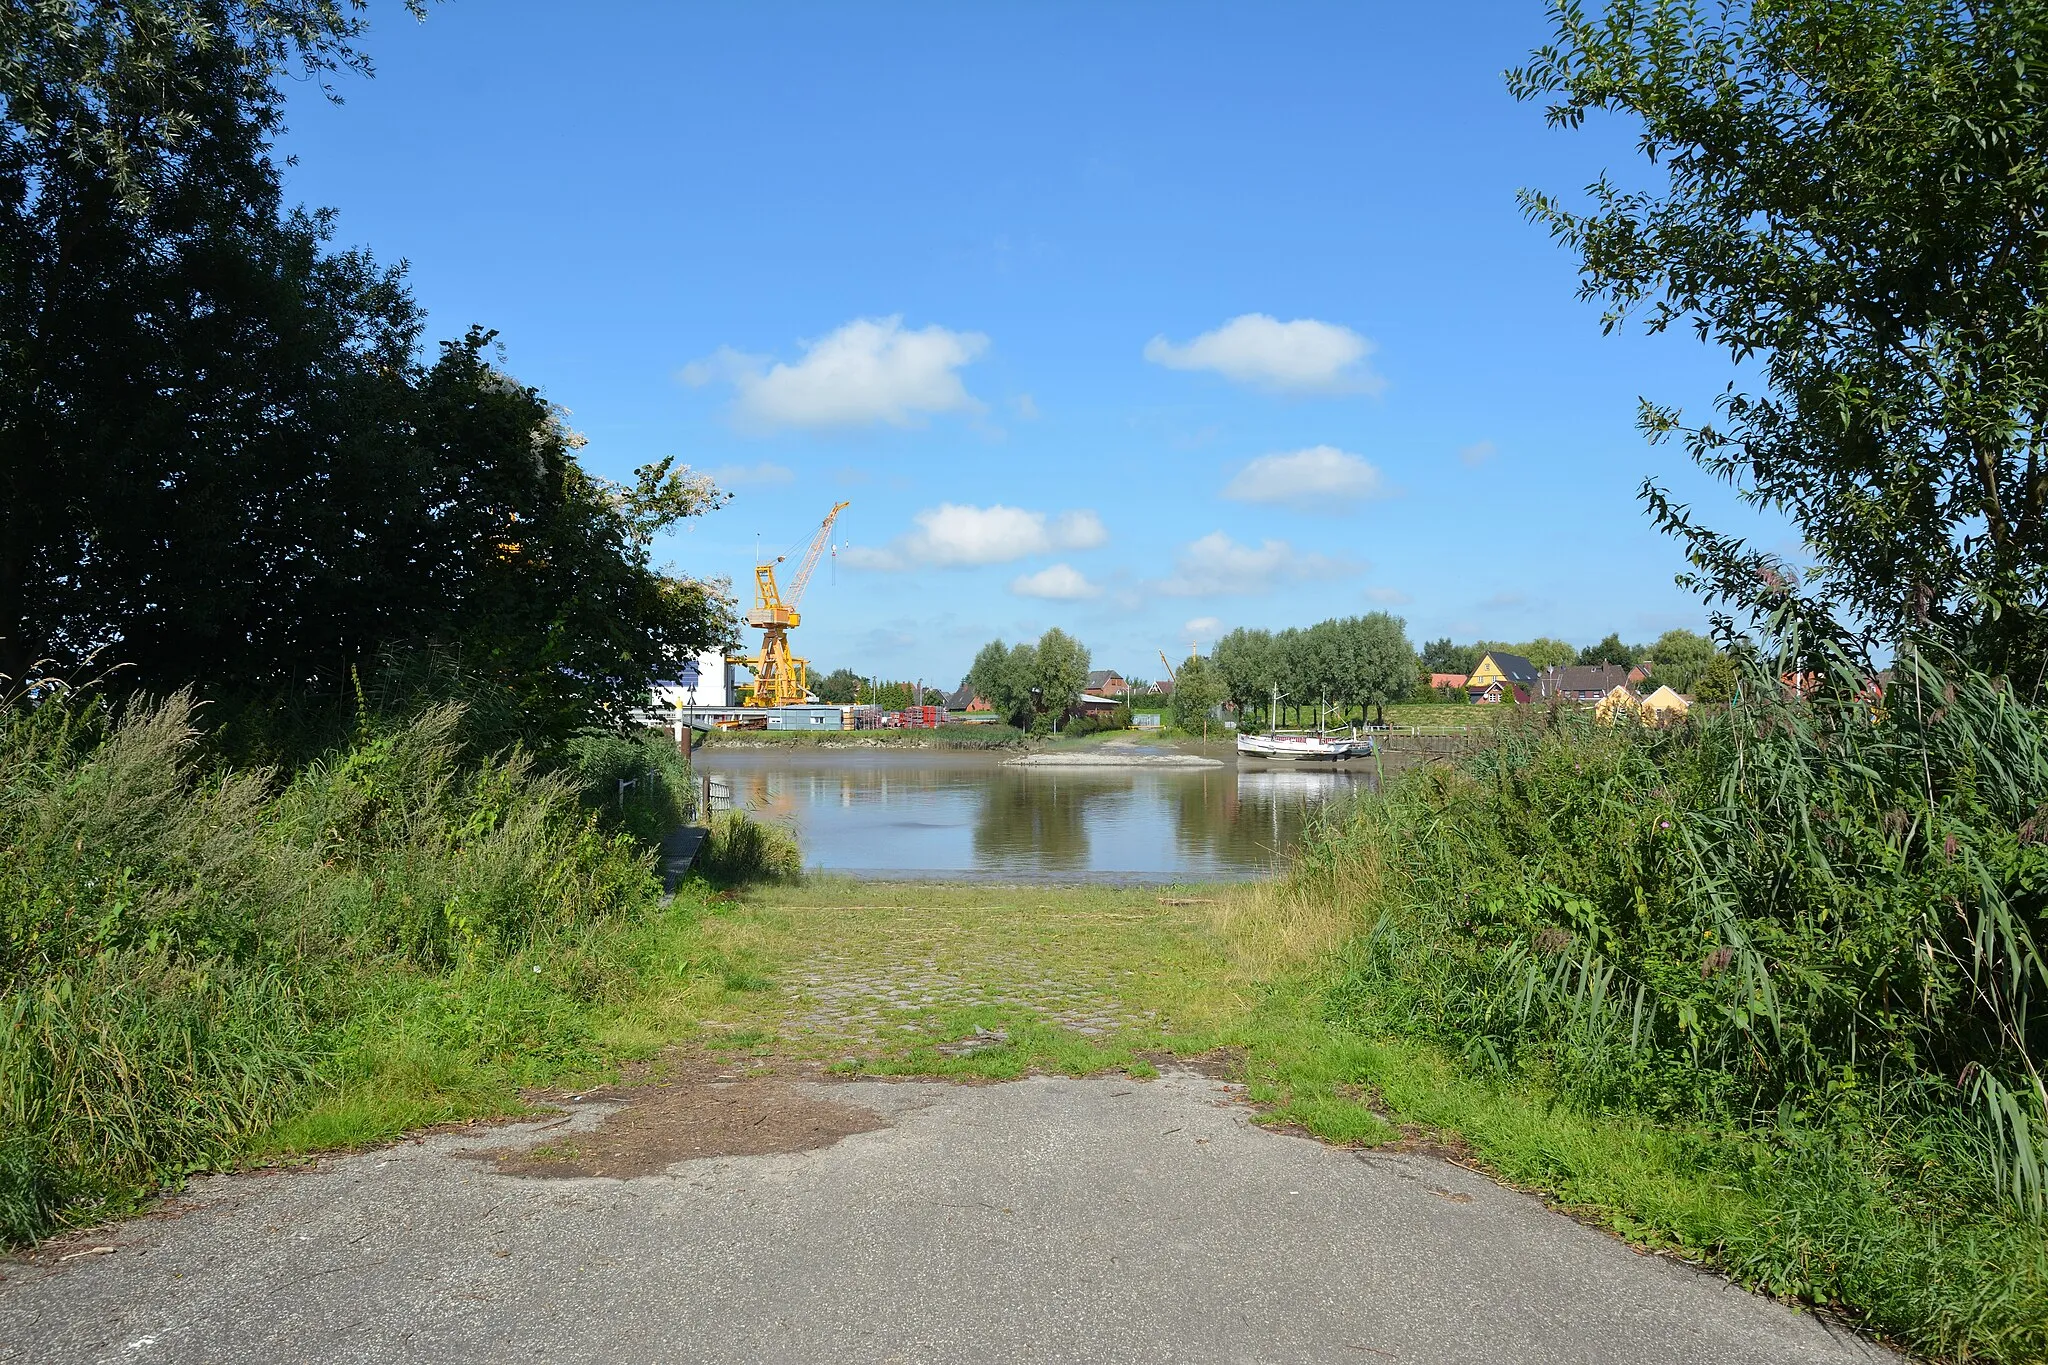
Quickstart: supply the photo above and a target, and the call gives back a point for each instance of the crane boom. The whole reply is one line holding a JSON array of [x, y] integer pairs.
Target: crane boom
[[780, 677], [803, 574]]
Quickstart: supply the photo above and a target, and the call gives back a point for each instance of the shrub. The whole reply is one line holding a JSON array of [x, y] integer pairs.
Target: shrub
[[1792, 906], [739, 849], [180, 946]]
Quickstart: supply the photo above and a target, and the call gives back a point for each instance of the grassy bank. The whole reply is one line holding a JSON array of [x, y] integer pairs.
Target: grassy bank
[[196, 964]]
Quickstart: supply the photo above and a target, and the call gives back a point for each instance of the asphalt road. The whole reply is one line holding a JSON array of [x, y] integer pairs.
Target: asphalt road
[[1043, 1220]]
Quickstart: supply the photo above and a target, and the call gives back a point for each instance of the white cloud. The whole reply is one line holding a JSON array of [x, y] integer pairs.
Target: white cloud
[[1303, 356], [1217, 566], [953, 534], [1058, 582], [1478, 453], [740, 475], [870, 371], [1321, 478], [1203, 627], [1387, 597], [1026, 407]]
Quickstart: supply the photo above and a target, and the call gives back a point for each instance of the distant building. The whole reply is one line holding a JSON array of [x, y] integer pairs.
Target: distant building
[[1664, 707], [1500, 676], [1582, 682], [706, 680], [1107, 682], [1446, 682], [806, 718], [965, 698], [1617, 705]]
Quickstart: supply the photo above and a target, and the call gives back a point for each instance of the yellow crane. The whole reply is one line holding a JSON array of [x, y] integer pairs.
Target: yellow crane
[[780, 678]]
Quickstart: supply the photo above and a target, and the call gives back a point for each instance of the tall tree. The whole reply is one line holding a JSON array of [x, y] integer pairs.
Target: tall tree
[[1850, 201], [1376, 664], [1197, 690], [1678, 658], [221, 459], [1244, 659], [1004, 677], [1059, 672]]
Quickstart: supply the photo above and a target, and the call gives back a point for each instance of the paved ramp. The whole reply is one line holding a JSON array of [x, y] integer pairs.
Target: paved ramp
[[1041, 1220]]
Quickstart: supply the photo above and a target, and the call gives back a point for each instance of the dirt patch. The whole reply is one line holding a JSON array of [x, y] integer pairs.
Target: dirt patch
[[1225, 1064], [686, 1118]]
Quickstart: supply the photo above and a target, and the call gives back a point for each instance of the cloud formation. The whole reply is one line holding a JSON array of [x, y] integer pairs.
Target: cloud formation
[[871, 371], [957, 535], [1303, 356], [1387, 597], [1319, 479], [1478, 453], [1055, 582], [1217, 566]]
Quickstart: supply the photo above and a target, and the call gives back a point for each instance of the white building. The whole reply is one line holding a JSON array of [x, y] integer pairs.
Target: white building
[[708, 680]]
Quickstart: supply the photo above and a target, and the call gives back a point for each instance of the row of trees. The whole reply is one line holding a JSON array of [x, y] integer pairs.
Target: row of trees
[[224, 460], [1362, 661], [1031, 685]]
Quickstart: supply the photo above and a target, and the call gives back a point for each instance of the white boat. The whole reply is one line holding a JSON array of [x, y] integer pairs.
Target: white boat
[[1304, 748]]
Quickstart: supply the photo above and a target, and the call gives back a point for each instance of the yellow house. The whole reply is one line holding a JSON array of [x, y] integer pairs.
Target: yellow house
[[1499, 674], [1616, 705], [1664, 707]]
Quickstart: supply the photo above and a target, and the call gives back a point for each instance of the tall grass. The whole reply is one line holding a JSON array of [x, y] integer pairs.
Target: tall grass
[[182, 950], [739, 848], [1810, 924]]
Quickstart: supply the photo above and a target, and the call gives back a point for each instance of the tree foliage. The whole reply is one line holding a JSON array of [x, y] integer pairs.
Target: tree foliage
[[1852, 201], [223, 460], [1198, 689]]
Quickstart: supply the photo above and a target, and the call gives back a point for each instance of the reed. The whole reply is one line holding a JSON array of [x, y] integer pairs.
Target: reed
[[183, 949], [1809, 926]]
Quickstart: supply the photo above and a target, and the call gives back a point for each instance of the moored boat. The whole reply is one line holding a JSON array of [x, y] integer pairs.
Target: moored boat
[[1304, 748]]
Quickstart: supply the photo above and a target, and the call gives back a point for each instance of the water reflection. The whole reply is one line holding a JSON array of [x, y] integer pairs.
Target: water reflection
[[967, 815]]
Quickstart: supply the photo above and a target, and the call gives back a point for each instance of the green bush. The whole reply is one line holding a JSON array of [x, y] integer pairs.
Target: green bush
[[638, 781], [180, 948], [1812, 924], [739, 849]]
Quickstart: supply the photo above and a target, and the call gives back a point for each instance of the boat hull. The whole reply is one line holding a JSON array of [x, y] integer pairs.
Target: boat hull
[[1303, 748]]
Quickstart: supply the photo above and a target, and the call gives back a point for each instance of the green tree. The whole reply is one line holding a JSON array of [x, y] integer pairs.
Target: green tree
[[1611, 651], [1197, 690], [841, 687], [1678, 657], [1059, 673], [1848, 201], [1003, 676], [1377, 663], [222, 460], [1545, 652], [1441, 656], [1716, 681], [1244, 659]]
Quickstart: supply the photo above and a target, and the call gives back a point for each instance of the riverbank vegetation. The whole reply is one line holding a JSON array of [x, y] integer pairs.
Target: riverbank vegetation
[[1794, 943]]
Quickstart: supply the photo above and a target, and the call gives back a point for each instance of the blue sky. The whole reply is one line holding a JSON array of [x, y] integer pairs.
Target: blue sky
[[1146, 321]]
